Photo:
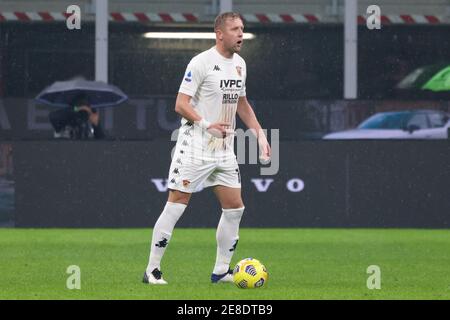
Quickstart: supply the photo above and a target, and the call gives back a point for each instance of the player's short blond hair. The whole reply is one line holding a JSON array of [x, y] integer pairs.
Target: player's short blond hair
[[221, 18]]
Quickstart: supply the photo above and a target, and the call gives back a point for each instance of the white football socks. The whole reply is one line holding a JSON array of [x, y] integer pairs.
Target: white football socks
[[227, 236], [162, 233]]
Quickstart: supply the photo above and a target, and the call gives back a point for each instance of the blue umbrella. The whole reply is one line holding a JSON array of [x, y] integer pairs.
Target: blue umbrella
[[99, 94]]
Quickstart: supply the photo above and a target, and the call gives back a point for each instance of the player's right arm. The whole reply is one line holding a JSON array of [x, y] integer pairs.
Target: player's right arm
[[184, 108], [192, 80]]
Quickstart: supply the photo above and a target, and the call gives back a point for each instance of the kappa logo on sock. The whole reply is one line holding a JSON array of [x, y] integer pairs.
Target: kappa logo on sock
[[162, 243], [234, 246]]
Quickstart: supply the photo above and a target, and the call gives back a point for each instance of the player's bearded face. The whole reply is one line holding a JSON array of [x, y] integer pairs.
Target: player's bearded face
[[233, 35]]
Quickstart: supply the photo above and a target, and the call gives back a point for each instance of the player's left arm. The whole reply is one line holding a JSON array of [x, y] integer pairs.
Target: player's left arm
[[247, 115]]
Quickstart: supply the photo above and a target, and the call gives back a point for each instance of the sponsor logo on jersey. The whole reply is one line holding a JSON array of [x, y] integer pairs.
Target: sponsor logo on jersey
[[239, 71], [230, 90], [230, 98], [216, 68], [230, 83]]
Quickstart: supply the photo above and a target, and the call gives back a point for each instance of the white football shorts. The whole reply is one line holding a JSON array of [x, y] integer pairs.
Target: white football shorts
[[189, 174]]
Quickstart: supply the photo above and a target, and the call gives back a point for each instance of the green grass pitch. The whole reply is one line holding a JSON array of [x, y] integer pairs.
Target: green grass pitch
[[302, 264]]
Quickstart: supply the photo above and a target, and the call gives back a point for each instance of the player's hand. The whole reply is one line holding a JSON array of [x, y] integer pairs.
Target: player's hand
[[265, 150], [220, 129]]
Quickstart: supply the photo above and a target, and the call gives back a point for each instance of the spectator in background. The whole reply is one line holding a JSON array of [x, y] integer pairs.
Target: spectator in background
[[79, 121]]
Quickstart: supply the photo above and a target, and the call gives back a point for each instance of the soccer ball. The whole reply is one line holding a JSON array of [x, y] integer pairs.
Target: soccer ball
[[249, 273]]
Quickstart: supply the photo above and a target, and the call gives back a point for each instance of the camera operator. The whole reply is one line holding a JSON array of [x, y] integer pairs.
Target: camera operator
[[79, 121]]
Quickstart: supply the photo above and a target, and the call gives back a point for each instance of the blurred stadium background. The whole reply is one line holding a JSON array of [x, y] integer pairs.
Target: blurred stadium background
[[309, 76], [296, 83]]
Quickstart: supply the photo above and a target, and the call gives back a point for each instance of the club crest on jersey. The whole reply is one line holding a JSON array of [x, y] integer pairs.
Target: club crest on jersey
[[186, 183], [239, 71], [188, 77]]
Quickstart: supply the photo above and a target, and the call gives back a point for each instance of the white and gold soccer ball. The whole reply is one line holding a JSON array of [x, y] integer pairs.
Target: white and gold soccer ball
[[250, 273]]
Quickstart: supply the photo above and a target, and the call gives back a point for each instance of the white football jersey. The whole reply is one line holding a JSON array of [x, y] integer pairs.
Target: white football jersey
[[215, 84]]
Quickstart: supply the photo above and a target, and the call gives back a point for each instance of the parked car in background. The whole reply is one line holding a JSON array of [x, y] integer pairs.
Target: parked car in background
[[411, 124]]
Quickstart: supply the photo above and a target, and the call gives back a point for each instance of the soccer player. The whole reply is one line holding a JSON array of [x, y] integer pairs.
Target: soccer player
[[211, 92]]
